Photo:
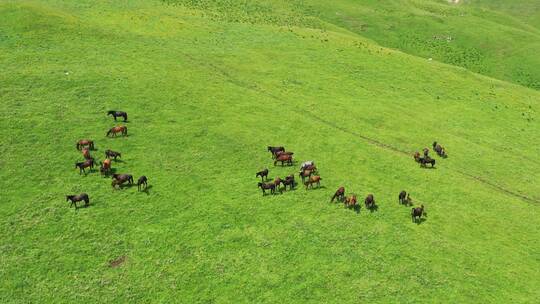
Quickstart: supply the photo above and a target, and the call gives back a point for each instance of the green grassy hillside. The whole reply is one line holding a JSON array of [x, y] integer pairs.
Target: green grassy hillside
[[207, 90]]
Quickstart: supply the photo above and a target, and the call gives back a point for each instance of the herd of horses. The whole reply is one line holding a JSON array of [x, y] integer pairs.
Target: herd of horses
[[105, 167], [309, 175]]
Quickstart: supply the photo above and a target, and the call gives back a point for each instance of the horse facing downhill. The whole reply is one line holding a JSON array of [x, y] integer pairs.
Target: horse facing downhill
[[340, 194], [118, 114]]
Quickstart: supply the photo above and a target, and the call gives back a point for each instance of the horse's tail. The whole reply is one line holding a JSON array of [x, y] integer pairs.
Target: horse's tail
[[126, 116]]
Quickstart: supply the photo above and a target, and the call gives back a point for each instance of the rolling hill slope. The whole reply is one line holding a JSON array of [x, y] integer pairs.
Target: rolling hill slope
[[207, 89]]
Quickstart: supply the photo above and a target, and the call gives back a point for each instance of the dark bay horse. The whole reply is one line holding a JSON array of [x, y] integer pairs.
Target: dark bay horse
[[85, 143], [118, 114], [270, 186], [289, 181], [416, 213], [85, 164], [402, 197], [439, 149], [142, 181], [340, 194], [119, 179], [369, 201], [111, 153], [77, 198], [274, 150], [118, 129], [284, 158], [263, 174], [86, 153], [426, 160]]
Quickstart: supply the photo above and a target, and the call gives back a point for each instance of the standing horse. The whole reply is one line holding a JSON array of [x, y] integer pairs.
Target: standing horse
[[85, 143], [77, 198], [351, 202], [340, 194], [86, 153], [305, 173], [416, 213], [306, 164], [82, 165], [119, 179], [313, 180], [369, 201], [269, 186], [277, 182], [284, 158], [105, 167], [439, 149], [426, 160], [278, 153], [402, 197], [416, 156], [289, 181], [142, 181], [111, 153], [426, 152], [274, 150], [118, 114], [263, 174], [118, 129]]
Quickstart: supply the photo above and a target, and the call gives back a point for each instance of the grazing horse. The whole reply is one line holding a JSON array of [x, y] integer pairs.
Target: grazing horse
[[86, 153], [274, 150], [105, 167], [119, 179], [284, 158], [426, 152], [117, 114], [416, 213], [270, 186], [416, 156], [118, 129], [350, 201], [426, 160], [277, 182], [289, 181], [305, 173], [77, 198], [439, 149], [278, 153], [340, 194], [313, 180], [142, 181], [369, 201], [402, 197], [111, 153], [263, 174], [85, 143], [85, 164]]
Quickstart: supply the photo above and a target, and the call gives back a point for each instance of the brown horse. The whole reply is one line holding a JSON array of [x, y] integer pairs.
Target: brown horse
[[275, 150], [289, 181], [439, 149], [313, 180], [82, 165], [278, 153], [277, 182], [284, 158], [118, 129], [369, 201], [86, 153], [77, 198], [416, 156], [351, 202], [340, 194], [305, 173], [269, 186], [416, 213], [263, 174], [111, 153], [119, 179], [142, 181], [426, 152], [85, 143], [105, 167]]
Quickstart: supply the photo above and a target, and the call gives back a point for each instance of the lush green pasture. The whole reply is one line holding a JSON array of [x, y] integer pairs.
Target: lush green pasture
[[206, 95]]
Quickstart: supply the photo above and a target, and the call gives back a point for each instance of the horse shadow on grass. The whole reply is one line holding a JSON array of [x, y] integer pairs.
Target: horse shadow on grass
[[420, 221], [146, 190]]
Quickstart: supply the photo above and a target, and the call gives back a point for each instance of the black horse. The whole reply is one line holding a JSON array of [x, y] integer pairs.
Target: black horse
[[143, 181], [403, 198], [288, 181], [77, 198], [416, 213], [369, 201], [263, 174], [118, 114], [426, 160], [111, 153], [275, 150]]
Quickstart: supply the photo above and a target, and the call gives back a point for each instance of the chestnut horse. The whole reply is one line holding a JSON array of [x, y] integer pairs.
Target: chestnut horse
[[340, 194], [117, 114], [118, 129], [350, 202], [82, 165], [77, 198], [105, 167], [305, 173], [284, 158], [86, 153], [313, 180], [85, 143]]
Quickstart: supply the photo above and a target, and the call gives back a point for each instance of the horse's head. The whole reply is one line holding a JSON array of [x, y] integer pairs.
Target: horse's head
[[259, 184], [68, 197], [110, 113], [269, 148]]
